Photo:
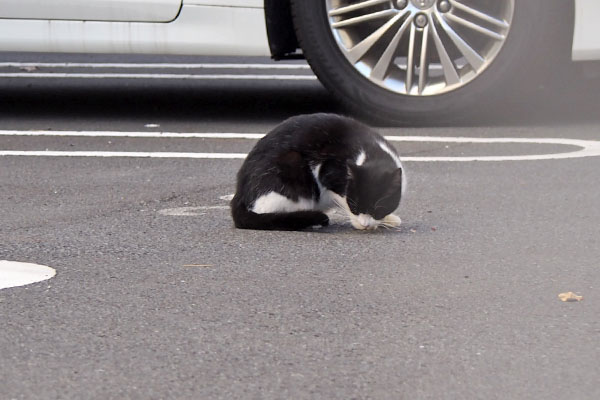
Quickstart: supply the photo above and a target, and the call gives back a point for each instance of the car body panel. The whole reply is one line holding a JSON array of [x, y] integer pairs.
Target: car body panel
[[586, 39], [92, 10], [198, 30], [195, 27], [227, 3]]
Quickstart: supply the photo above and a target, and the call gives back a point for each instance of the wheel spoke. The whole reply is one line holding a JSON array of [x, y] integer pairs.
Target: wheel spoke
[[386, 59], [475, 27], [450, 74], [358, 51], [478, 14], [357, 6], [423, 64], [473, 58], [363, 18], [410, 63]]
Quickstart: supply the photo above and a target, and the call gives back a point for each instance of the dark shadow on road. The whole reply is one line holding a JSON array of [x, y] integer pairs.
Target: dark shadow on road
[[165, 101], [577, 101]]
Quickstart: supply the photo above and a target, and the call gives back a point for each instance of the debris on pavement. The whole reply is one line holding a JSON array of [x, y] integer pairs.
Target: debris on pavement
[[28, 68], [569, 296]]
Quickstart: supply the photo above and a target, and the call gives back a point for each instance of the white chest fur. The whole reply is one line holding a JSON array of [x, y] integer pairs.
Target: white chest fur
[[273, 202]]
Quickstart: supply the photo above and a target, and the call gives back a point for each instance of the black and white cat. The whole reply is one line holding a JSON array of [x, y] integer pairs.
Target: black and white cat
[[311, 164]]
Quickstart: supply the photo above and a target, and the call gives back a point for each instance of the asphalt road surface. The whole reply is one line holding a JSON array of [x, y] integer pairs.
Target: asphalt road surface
[[158, 296]]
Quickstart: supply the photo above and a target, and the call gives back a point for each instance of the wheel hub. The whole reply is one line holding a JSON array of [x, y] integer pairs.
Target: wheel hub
[[423, 4]]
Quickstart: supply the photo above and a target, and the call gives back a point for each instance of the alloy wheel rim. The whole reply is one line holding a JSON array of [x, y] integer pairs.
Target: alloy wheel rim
[[420, 47]]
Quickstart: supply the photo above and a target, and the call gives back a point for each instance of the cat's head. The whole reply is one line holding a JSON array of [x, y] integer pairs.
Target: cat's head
[[374, 191]]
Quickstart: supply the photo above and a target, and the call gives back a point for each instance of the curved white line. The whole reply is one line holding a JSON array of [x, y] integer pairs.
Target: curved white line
[[588, 148]]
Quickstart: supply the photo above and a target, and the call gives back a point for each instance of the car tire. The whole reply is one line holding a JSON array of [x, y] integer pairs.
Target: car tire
[[537, 32]]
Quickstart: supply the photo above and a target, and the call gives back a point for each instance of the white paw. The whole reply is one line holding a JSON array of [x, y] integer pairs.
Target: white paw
[[364, 222], [392, 220]]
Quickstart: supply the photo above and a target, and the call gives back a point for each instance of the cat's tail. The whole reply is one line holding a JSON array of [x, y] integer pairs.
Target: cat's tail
[[289, 221]]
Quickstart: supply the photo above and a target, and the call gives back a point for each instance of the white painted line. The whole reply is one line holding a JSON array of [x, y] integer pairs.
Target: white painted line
[[156, 76], [587, 148], [170, 135], [13, 273], [153, 65], [189, 211], [127, 154]]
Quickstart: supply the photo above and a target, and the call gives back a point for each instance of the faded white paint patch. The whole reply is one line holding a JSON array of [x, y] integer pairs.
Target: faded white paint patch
[[189, 211], [14, 273]]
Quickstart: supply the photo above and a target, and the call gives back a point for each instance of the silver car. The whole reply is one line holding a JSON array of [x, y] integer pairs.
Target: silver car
[[395, 60]]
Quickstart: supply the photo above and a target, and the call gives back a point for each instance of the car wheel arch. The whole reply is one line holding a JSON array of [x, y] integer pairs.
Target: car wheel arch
[[283, 42]]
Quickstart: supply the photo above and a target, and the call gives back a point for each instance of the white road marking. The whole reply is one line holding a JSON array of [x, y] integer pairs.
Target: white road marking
[[171, 135], [587, 148], [13, 273], [127, 154], [74, 75], [189, 211], [153, 65]]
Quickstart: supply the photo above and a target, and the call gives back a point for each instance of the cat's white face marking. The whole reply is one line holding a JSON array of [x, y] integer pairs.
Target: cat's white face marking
[[274, 202], [315, 171], [392, 154], [360, 159]]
